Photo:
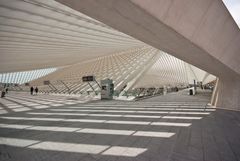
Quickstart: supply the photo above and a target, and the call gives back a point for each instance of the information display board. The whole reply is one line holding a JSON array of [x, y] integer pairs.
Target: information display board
[[88, 78]]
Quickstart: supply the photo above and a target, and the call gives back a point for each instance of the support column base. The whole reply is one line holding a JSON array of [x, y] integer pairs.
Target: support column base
[[227, 94]]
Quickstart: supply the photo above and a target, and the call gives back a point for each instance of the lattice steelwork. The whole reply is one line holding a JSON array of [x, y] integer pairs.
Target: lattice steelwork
[[121, 67], [144, 67], [170, 71]]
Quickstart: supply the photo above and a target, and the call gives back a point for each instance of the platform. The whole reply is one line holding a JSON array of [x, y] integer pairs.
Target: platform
[[55, 128]]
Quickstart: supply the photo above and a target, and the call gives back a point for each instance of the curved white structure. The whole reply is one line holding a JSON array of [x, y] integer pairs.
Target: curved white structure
[[36, 34]]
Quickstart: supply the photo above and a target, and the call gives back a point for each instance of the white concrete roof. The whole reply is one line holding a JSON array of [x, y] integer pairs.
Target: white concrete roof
[[36, 34], [39, 34]]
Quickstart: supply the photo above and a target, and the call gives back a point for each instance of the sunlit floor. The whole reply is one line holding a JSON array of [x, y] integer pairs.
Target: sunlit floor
[[174, 127]]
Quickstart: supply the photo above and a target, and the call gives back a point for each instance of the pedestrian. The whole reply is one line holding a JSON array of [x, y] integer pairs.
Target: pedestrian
[[3, 93], [36, 90], [31, 90], [6, 90]]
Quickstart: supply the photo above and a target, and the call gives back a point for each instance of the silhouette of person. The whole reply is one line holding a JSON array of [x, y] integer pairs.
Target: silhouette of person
[[36, 90], [3, 92], [176, 89], [31, 90]]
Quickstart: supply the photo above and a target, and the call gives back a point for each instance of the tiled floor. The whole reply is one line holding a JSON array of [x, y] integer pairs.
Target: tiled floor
[[175, 127], [22, 101]]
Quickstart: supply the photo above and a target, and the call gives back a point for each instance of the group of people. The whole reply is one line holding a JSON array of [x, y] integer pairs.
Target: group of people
[[32, 90]]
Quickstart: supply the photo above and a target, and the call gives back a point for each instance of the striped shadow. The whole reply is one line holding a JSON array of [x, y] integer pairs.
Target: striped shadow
[[143, 108], [89, 130], [73, 148], [102, 121], [110, 115], [97, 115], [130, 111]]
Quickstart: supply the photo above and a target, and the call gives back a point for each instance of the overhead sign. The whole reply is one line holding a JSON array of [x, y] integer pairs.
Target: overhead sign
[[88, 78]]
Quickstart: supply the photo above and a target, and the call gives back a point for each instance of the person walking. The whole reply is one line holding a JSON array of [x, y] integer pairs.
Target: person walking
[[31, 90], [3, 92], [36, 90]]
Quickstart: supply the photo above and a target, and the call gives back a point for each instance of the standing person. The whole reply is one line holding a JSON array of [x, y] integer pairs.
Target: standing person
[[7, 90], [3, 93], [36, 90], [31, 90]]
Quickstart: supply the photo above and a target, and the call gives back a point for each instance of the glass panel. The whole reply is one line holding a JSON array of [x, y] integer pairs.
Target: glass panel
[[24, 76]]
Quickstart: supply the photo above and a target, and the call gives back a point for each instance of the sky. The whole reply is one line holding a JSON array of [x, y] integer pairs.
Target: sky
[[234, 8]]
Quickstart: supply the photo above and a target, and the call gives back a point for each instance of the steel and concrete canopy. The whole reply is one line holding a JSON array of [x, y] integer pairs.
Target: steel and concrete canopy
[[202, 33]]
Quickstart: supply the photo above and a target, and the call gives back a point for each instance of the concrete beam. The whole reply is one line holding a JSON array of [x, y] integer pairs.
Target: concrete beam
[[227, 94]]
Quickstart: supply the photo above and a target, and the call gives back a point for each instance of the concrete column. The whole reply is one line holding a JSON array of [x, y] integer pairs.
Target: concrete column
[[214, 94], [227, 94]]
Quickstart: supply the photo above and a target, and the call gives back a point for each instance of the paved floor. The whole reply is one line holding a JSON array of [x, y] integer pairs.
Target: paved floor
[[155, 129], [23, 101]]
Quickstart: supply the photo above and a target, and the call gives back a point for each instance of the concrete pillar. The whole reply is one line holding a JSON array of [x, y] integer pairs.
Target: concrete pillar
[[227, 94]]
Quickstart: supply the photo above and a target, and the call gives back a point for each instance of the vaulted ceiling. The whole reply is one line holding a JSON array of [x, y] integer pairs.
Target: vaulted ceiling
[[36, 34]]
